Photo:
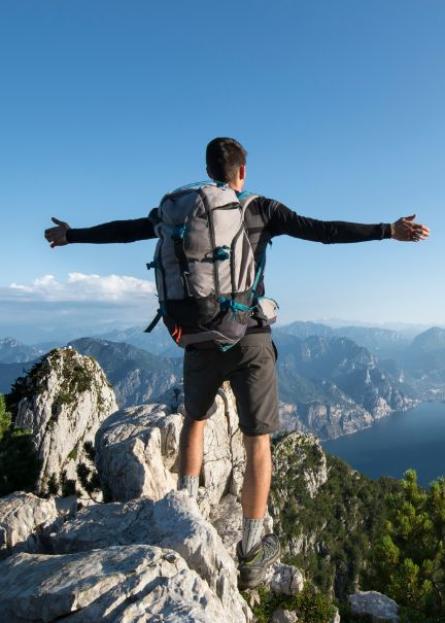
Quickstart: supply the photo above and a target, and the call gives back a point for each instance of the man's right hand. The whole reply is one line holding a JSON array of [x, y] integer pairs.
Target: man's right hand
[[56, 236], [406, 230]]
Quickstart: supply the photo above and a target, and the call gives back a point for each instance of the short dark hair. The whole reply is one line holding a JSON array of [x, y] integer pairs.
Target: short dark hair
[[224, 156]]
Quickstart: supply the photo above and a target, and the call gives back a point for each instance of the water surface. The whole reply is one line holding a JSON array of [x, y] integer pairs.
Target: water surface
[[415, 439]]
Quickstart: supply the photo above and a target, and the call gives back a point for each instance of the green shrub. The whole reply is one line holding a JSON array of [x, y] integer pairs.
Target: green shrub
[[310, 605], [19, 465], [5, 417]]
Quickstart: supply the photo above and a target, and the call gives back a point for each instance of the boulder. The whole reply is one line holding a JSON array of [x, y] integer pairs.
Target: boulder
[[285, 579], [378, 607], [136, 451], [174, 522], [132, 584], [24, 517]]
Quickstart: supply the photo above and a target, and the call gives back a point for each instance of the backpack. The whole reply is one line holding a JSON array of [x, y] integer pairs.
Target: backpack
[[204, 265]]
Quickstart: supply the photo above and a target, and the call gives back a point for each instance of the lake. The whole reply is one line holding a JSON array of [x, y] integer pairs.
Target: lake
[[415, 439]]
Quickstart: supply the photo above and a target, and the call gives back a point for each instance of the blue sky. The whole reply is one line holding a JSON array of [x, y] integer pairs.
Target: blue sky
[[106, 105]]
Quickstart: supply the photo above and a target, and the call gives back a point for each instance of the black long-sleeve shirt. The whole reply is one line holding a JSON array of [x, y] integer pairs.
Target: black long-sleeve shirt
[[276, 218], [264, 219]]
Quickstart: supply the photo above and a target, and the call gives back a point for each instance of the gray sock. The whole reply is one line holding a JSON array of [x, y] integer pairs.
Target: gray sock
[[252, 533], [191, 483]]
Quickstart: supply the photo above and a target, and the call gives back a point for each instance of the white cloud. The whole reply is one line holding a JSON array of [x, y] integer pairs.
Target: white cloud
[[79, 287]]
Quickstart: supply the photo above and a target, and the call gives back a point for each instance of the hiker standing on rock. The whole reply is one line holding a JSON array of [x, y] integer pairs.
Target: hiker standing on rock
[[209, 265]]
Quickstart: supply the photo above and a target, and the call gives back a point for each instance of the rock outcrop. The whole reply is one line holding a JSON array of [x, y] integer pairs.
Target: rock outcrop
[[137, 455], [63, 400], [132, 584], [137, 450], [174, 522]]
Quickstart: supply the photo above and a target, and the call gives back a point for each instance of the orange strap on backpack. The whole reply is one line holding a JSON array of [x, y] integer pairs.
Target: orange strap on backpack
[[177, 333]]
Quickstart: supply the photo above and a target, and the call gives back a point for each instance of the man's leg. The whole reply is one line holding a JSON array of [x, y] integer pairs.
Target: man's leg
[[253, 380], [257, 476], [191, 446], [256, 486]]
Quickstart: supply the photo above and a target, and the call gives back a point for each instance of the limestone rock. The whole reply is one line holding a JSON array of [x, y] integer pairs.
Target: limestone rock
[[62, 400], [227, 517], [21, 515], [137, 450], [336, 617], [380, 608], [224, 454], [133, 584], [137, 455], [285, 579], [284, 616], [174, 522]]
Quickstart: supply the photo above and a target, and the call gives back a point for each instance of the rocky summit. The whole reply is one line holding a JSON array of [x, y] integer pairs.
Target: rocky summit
[[141, 551], [146, 553]]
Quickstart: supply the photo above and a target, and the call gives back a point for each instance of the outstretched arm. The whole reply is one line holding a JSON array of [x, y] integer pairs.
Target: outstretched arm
[[285, 221], [114, 231]]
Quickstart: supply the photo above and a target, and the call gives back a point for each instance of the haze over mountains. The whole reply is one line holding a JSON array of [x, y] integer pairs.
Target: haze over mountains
[[333, 381]]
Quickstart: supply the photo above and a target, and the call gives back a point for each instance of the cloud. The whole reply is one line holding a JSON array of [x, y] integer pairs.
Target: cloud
[[80, 304], [79, 287]]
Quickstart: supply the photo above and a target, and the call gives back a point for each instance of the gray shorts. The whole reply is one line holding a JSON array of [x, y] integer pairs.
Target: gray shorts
[[250, 368]]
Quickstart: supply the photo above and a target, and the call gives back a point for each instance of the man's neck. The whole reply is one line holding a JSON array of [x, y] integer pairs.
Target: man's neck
[[237, 187]]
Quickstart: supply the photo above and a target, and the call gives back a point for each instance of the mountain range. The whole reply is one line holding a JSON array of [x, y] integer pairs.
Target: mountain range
[[330, 384]]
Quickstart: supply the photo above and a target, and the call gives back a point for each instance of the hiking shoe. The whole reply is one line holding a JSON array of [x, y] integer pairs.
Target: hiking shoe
[[253, 566]]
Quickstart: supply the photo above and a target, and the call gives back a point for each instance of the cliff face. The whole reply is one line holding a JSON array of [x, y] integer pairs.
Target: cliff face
[[300, 470], [62, 401], [331, 386]]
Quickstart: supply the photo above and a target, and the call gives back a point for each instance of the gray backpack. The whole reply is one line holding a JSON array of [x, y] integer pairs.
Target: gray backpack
[[204, 265]]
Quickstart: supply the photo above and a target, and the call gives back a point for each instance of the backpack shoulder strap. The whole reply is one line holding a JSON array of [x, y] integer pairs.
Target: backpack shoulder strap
[[245, 198]]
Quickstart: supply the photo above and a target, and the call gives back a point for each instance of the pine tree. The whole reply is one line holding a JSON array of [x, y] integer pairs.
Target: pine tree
[[408, 561]]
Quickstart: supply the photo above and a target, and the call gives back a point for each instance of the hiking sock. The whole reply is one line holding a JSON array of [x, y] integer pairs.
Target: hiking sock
[[191, 483], [252, 533]]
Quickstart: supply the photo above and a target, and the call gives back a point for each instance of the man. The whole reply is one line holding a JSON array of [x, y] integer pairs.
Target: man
[[250, 365]]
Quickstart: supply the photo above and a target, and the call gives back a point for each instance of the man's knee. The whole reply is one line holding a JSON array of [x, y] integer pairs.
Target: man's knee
[[191, 422], [257, 444], [191, 428]]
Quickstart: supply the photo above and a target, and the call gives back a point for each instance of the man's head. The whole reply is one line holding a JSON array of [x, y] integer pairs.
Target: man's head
[[226, 161]]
